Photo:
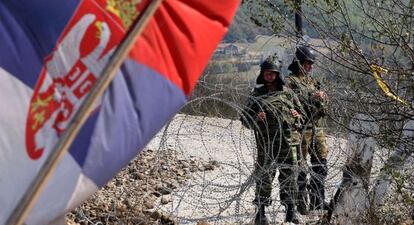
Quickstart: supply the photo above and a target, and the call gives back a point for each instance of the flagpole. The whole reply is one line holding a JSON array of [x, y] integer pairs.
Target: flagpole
[[26, 203]]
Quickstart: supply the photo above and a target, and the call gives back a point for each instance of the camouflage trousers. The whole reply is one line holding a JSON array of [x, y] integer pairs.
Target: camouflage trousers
[[273, 154], [314, 144]]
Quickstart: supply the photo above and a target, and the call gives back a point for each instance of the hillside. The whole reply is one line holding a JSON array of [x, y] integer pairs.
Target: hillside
[[243, 29]]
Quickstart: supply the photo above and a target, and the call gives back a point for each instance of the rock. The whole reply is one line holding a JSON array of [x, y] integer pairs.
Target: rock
[[214, 163], [159, 186], [140, 176], [156, 193], [203, 222], [118, 182], [167, 221], [184, 164], [121, 208], [149, 204], [173, 184], [156, 215], [407, 222], [166, 199], [111, 185], [164, 190], [139, 221], [130, 197], [208, 166], [127, 202]]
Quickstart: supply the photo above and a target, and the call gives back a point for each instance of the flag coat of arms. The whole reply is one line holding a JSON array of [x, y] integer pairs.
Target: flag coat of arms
[[52, 52]]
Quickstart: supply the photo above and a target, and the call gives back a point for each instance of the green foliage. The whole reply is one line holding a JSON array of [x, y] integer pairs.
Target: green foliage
[[244, 29], [266, 14], [401, 186]]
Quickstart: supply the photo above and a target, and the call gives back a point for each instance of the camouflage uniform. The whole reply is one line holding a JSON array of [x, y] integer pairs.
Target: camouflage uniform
[[276, 140], [313, 140]]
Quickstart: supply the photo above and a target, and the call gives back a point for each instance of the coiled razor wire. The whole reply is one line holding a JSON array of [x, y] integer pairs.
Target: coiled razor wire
[[216, 194], [227, 197], [208, 130]]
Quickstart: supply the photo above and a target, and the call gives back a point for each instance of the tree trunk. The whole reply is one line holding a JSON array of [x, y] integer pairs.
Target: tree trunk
[[393, 164], [350, 200], [354, 200]]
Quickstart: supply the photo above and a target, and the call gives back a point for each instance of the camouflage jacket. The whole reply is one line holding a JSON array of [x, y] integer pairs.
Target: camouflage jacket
[[277, 106], [305, 88]]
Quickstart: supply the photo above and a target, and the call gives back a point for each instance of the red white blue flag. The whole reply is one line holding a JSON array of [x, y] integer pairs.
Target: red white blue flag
[[53, 51]]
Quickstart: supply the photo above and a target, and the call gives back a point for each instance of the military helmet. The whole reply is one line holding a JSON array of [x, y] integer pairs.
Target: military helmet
[[270, 64], [304, 53]]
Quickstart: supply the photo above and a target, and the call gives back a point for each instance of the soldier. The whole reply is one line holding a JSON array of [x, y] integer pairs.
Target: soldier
[[273, 112], [313, 100]]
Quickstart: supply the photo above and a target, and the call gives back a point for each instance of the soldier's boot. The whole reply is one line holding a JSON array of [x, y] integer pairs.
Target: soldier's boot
[[317, 187], [317, 201], [291, 214], [261, 218], [302, 202]]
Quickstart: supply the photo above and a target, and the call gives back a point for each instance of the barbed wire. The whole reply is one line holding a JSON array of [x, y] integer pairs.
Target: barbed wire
[[201, 166]]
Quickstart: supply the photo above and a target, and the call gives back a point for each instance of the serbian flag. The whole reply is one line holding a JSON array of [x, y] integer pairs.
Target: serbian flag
[[51, 54]]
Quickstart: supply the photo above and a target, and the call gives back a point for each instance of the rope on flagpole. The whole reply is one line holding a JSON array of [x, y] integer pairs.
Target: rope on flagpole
[[26, 203]]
